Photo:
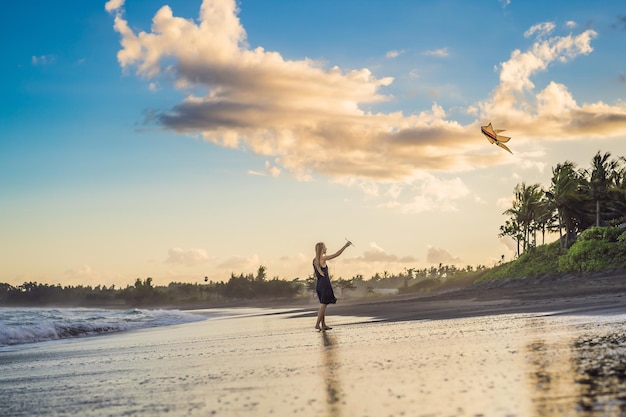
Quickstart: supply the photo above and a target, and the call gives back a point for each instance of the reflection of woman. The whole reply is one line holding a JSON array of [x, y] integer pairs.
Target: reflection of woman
[[334, 392], [324, 289]]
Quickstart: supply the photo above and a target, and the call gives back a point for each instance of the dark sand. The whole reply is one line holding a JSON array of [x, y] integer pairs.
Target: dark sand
[[585, 294]]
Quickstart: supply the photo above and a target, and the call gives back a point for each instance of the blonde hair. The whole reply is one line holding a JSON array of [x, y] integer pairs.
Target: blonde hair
[[319, 247]]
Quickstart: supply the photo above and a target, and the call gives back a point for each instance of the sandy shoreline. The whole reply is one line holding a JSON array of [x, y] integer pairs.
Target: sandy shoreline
[[555, 348], [584, 294], [599, 293]]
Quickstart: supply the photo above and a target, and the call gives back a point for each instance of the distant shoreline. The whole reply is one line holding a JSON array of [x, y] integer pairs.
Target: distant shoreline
[[597, 293], [604, 291]]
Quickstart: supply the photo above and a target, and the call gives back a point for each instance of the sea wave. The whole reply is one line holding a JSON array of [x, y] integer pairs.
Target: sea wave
[[30, 325]]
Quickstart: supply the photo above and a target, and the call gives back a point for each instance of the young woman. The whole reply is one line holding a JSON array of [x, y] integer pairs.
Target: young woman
[[324, 289]]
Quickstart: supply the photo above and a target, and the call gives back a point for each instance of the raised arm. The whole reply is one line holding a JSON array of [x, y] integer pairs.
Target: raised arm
[[339, 252]]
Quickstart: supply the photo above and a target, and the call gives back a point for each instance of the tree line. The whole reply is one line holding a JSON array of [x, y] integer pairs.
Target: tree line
[[575, 200], [144, 293], [238, 287]]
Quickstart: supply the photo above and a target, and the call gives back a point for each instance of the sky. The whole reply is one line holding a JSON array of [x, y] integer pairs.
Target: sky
[[179, 140]]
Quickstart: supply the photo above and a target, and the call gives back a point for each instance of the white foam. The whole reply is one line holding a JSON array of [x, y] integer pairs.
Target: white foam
[[30, 325]]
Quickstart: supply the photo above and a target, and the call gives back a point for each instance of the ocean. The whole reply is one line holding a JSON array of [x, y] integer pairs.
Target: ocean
[[20, 327]]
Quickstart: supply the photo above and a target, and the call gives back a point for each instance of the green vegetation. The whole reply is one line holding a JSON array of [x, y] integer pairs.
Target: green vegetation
[[539, 261], [597, 249], [143, 293], [575, 201], [247, 288], [442, 279], [577, 204]]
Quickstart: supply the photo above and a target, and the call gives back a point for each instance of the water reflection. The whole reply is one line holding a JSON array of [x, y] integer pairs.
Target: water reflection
[[331, 378], [554, 392], [600, 363], [581, 375]]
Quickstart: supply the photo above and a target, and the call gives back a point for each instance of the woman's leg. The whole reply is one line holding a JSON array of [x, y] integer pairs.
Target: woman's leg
[[324, 326], [321, 319]]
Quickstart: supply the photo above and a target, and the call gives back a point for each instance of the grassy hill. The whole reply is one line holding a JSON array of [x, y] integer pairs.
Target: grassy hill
[[597, 249]]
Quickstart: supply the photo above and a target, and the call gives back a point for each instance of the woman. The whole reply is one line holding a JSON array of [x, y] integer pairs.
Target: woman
[[324, 289]]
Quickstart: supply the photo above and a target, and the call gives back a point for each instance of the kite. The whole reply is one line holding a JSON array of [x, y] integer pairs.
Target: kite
[[493, 137]]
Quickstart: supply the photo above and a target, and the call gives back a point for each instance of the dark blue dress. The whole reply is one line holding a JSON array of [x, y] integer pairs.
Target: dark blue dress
[[324, 289]]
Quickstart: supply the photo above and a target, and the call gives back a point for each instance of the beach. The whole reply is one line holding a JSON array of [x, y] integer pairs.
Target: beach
[[555, 348]]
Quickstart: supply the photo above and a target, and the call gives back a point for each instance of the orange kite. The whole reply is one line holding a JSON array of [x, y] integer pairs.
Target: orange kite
[[494, 137]]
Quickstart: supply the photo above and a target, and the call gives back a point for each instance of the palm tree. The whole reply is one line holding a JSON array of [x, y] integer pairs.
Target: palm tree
[[564, 195], [511, 228], [601, 175], [529, 198], [616, 200], [545, 217], [525, 212]]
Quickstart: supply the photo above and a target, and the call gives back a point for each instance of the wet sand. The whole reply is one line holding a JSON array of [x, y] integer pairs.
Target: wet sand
[[508, 350], [601, 292]]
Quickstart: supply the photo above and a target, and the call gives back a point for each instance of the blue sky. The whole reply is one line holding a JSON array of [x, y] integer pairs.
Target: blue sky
[[186, 139]]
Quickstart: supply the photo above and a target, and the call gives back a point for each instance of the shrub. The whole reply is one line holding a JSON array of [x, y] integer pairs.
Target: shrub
[[608, 234], [597, 249], [538, 261]]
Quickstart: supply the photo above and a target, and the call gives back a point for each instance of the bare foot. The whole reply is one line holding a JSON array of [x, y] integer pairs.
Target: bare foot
[[318, 328], [327, 328]]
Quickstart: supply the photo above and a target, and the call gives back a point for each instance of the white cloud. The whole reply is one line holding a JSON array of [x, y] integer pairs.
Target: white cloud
[[113, 5], [441, 53], [539, 166], [427, 193], [42, 59], [311, 120], [190, 257], [371, 189], [270, 169], [241, 264], [515, 73], [552, 113], [420, 193], [273, 170], [393, 54], [437, 256], [377, 255], [299, 258], [570, 24], [541, 29], [394, 191], [555, 101]]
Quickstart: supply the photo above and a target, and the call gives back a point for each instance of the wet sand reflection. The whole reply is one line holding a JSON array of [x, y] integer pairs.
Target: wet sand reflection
[[581, 375], [551, 376], [331, 378], [600, 372]]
